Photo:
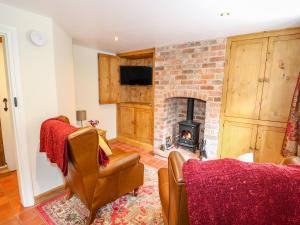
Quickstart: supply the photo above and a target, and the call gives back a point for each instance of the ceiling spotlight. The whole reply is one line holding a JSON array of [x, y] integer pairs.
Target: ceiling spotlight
[[224, 14], [116, 38]]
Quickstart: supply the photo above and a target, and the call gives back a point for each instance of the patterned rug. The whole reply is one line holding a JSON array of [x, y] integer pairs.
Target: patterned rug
[[145, 209]]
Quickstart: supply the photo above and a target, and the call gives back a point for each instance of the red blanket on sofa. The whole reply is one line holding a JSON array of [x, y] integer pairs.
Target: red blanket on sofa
[[230, 192], [53, 140]]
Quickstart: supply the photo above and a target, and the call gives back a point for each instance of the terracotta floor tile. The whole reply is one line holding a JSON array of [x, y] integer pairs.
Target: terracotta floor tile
[[27, 214], [12, 221], [6, 212], [36, 220], [16, 204]]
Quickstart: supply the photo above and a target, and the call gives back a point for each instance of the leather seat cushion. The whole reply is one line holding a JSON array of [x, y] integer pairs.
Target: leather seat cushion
[[164, 189], [118, 161]]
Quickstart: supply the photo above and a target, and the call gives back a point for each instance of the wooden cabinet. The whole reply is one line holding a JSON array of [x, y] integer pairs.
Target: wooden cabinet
[[268, 144], [108, 79], [126, 121], [135, 124], [245, 83], [134, 110], [282, 70], [144, 124], [238, 138], [261, 72]]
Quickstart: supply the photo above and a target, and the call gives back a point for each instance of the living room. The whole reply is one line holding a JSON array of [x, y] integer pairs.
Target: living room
[[158, 98]]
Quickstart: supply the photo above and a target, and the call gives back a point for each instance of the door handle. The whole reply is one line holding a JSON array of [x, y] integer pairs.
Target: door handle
[[5, 104]]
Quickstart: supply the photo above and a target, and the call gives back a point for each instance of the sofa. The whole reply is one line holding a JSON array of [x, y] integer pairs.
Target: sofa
[[172, 190], [97, 185]]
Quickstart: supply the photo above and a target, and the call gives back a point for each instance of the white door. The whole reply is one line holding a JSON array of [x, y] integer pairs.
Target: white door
[[6, 115]]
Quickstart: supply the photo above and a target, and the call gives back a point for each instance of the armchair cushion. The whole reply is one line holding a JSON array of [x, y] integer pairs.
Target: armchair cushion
[[118, 161], [104, 146]]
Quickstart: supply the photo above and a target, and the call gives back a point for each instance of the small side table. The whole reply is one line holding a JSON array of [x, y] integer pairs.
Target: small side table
[[102, 133]]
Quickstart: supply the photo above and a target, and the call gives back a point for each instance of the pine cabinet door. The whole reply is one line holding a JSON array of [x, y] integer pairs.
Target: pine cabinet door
[[282, 70], [144, 125], [114, 87], [109, 79], [126, 121], [237, 139], [269, 144], [104, 78], [245, 77]]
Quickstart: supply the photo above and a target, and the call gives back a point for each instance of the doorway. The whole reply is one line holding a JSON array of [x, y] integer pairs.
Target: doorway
[[7, 138]]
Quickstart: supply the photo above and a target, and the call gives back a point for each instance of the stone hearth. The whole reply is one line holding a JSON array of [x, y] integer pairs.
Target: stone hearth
[[190, 70]]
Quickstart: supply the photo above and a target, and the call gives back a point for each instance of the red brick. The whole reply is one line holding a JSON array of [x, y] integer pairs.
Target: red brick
[[216, 59], [217, 47]]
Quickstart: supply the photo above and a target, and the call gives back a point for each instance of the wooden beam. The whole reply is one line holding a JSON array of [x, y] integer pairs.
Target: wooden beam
[[138, 54]]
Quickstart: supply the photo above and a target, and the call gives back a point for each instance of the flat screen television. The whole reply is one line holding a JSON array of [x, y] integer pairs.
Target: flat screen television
[[136, 75]]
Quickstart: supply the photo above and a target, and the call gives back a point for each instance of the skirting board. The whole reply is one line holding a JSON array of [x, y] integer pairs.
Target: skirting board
[[49, 194], [4, 169]]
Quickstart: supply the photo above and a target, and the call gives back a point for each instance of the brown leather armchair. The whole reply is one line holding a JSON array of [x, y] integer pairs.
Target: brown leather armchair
[[172, 190], [96, 185]]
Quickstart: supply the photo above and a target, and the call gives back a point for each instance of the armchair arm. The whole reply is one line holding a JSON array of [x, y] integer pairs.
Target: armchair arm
[[175, 167], [178, 213]]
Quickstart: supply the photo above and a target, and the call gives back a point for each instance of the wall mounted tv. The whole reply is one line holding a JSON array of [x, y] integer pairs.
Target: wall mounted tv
[[136, 75]]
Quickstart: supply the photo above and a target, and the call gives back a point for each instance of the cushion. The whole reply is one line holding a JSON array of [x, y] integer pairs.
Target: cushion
[[104, 146]]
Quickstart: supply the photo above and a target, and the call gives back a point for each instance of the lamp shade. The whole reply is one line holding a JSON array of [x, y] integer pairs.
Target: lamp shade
[[81, 115]]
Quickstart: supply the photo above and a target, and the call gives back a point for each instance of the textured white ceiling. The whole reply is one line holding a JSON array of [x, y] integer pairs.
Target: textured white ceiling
[[148, 23]]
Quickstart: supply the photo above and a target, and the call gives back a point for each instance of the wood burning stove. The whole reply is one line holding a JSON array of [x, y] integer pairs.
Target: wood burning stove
[[189, 129]]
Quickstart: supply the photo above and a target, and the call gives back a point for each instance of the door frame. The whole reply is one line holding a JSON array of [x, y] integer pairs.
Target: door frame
[[18, 114]]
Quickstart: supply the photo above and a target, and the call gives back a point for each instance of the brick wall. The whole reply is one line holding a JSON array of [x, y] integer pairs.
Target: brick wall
[[193, 69]]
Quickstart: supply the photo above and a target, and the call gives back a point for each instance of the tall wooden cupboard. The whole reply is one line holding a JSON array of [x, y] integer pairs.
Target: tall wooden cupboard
[[261, 72], [134, 103]]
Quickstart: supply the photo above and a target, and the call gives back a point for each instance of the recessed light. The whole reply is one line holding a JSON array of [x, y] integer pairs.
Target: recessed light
[[116, 38], [225, 14]]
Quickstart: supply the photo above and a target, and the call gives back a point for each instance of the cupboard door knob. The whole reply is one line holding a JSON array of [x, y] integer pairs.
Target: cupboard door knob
[[260, 80]]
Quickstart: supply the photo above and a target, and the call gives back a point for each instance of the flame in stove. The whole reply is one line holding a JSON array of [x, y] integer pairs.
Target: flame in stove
[[186, 135]]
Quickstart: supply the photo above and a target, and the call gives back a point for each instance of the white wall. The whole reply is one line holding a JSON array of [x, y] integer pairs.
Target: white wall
[[42, 100], [65, 83], [86, 87]]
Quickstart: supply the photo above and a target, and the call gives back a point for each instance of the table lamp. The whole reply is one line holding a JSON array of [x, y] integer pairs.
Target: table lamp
[[81, 115]]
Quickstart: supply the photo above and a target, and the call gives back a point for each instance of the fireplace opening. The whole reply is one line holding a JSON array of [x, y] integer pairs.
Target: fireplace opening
[[189, 129]]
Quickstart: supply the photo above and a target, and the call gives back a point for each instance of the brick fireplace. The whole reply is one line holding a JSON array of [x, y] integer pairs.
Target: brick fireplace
[[190, 70]]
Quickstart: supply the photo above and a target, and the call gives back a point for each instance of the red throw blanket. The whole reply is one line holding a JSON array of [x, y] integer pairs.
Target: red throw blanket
[[230, 192], [53, 140]]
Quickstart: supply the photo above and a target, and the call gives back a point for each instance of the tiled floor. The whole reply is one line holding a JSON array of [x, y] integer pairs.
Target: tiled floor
[[146, 157], [11, 210], [13, 213]]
